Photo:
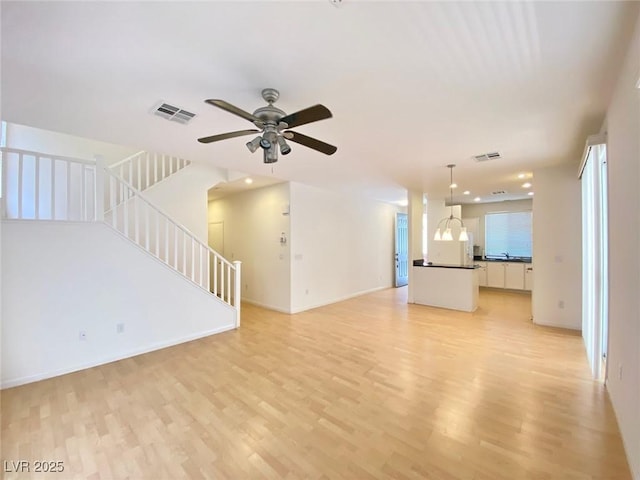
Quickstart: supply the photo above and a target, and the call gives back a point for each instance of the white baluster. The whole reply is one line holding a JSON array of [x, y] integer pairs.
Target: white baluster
[[237, 290], [68, 166], [37, 189], [222, 280], [193, 259], [136, 219], [215, 274], [99, 188], [147, 168], [53, 189], [20, 167], [146, 226]]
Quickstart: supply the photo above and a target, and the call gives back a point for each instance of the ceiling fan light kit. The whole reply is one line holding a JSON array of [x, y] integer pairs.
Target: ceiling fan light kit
[[274, 124]]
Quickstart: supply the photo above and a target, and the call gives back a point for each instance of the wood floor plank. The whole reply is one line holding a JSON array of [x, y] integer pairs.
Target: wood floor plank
[[368, 388]]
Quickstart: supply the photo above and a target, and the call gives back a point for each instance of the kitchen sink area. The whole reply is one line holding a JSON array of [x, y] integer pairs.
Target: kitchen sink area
[[504, 259]]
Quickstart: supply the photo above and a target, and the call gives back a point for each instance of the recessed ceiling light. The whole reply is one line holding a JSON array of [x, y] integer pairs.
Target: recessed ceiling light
[[526, 185], [248, 181], [477, 199], [530, 194], [466, 192], [522, 175], [453, 185]]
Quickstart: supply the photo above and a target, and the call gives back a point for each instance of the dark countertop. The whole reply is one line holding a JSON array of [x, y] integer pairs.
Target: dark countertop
[[510, 260], [420, 263]]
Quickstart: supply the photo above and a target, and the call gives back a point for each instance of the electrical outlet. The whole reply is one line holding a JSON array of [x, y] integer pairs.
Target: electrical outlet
[[120, 328], [82, 335]]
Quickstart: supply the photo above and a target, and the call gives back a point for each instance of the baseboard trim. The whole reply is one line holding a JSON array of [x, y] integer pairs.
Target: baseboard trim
[[293, 311], [15, 382]]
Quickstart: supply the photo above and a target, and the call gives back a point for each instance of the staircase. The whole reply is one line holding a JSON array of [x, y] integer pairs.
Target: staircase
[[42, 187]]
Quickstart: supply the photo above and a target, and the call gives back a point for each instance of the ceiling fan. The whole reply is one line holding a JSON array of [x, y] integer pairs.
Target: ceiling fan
[[273, 125]]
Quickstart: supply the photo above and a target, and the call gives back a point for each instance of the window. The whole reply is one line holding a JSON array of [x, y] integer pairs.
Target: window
[[508, 232]]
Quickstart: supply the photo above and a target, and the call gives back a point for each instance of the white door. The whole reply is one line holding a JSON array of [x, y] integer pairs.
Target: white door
[[402, 249]]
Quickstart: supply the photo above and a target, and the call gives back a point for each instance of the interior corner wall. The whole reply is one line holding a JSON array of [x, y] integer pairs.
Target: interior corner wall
[[253, 223], [557, 247], [623, 169], [183, 196], [341, 246], [54, 143]]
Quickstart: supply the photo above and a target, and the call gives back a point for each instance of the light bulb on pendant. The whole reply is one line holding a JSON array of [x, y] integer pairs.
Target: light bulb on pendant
[[463, 235], [447, 235], [438, 235]]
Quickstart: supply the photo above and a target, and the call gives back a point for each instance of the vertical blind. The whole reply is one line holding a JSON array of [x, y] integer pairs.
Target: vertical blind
[[508, 232]]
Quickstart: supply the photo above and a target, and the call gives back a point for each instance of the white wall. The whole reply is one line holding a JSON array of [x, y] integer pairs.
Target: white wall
[[183, 196], [479, 210], [53, 143], [61, 278], [623, 153], [341, 246], [557, 247], [253, 222]]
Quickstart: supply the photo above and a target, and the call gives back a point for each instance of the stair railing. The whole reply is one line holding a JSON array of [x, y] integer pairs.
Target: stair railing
[[144, 169], [127, 211], [38, 186]]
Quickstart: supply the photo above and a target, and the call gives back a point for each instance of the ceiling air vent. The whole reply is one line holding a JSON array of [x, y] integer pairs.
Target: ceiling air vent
[[487, 156], [175, 114], [498, 192]]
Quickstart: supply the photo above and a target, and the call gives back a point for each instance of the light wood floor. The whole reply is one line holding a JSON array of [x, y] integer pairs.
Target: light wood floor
[[366, 388]]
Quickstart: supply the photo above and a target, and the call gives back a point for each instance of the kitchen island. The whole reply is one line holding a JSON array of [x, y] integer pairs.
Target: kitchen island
[[446, 286]]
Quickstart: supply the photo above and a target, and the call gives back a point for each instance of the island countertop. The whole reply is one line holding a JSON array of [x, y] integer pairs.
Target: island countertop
[[417, 263]]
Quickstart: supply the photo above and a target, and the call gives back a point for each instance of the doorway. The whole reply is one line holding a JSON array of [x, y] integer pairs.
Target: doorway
[[402, 250]]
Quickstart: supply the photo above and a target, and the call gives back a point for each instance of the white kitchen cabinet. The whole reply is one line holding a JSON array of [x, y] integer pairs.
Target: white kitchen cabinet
[[506, 275], [514, 276], [528, 276], [495, 274], [482, 274]]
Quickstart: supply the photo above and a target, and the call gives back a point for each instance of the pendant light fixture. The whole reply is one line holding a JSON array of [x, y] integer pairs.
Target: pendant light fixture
[[446, 222]]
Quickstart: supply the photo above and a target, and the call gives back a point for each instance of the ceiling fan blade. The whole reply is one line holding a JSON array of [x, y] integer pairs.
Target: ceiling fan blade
[[311, 142], [308, 115], [224, 136], [233, 109]]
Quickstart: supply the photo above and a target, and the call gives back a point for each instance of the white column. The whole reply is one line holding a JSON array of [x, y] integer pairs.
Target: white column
[[415, 209]]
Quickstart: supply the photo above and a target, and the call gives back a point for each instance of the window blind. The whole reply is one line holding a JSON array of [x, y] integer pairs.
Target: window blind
[[508, 232]]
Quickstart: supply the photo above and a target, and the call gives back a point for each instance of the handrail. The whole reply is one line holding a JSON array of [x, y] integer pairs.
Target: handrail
[[39, 186], [125, 160], [130, 213], [144, 169], [165, 214], [47, 155]]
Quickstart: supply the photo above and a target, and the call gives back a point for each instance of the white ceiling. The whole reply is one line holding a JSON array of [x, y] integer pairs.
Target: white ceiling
[[413, 86]]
